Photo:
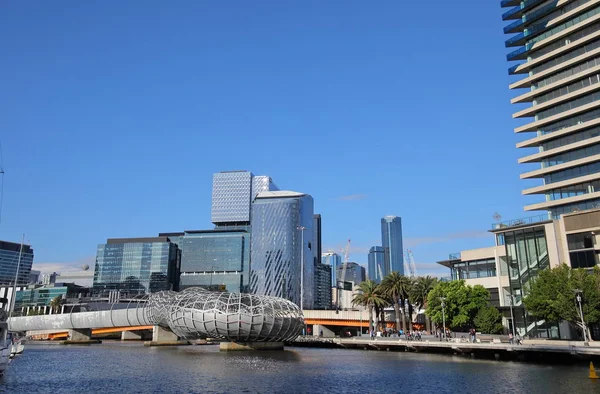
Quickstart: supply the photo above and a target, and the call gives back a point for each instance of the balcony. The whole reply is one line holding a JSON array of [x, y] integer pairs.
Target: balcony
[[519, 54], [514, 27], [509, 3], [520, 222], [513, 70], [521, 38], [518, 11]]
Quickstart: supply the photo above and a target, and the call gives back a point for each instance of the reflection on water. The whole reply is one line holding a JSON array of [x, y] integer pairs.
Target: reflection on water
[[131, 368]]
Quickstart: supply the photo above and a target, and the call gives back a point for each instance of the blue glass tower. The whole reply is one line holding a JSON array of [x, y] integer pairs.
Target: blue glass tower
[[377, 268], [335, 261], [391, 239], [9, 259]]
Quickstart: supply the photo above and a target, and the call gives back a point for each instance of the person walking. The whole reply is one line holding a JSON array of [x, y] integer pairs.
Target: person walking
[[510, 338], [518, 339]]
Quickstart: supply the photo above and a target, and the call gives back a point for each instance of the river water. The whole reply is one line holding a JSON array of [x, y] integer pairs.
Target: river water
[[115, 367]]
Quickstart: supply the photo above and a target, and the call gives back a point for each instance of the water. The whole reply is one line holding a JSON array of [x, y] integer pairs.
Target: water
[[113, 367]]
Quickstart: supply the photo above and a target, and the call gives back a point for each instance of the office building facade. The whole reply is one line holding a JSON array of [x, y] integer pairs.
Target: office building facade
[[136, 266], [279, 244], [355, 273], [317, 246], [9, 260], [334, 260], [232, 196], [322, 286], [557, 49], [215, 260], [377, 267], [391, 239]]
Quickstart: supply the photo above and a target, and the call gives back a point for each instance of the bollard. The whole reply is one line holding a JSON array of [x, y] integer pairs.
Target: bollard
[[593, 374]]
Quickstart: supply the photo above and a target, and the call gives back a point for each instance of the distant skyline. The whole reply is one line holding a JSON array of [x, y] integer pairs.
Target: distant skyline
[[115, 117]]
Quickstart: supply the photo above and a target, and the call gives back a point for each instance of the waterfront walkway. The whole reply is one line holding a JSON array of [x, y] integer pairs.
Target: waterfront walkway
[[533, 348]]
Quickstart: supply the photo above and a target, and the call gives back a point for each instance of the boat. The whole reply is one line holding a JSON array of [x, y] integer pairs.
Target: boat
[[17, 347], [5, 340]]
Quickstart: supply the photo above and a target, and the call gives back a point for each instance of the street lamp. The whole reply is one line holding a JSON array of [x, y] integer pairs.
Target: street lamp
[[578, 293], [301, 228], [443, 316]]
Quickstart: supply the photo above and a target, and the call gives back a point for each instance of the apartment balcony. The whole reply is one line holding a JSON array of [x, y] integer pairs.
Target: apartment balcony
[[517, 12], [519, 54], [520, 222], [509, 3]]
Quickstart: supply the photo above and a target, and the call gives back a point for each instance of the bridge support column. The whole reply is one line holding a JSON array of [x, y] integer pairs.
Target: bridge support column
[[131, 336], [164, 337], [327, 333], [80, 336]]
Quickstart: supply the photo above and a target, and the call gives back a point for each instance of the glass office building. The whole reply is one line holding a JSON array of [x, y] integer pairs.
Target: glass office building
[[334, 260], [232, 195], [136, 266], [279, 244], [9, 259], [377, 267], [391, 239], [354, 273], [555, 47], [216, 260]]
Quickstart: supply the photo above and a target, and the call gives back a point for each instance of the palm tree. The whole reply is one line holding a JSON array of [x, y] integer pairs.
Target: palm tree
[[396, 287], [369, 295], [420, 289], [56, 303]]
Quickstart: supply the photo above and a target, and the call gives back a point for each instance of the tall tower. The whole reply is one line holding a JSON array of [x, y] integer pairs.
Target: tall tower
[[377, 269], [334, 260], [391, 239], [557, 47]]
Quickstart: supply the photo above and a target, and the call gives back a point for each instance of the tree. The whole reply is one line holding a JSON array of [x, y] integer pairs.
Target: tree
[[419, 291], [395, 287], [461, 305], [56, 303], [489, 320], [552, 295], [369, 295]]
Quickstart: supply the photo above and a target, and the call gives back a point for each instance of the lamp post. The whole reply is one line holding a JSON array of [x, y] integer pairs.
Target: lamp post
[[443, 316], [578, 293], [301, 228]]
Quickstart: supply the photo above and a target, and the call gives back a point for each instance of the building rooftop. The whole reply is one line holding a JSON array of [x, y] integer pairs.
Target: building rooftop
[[280, 194]]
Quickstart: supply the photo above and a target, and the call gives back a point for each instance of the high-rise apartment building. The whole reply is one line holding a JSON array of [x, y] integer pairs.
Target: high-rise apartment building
[[377, 267], [9, 260], [322, 286], [317, 248], [282, 244], [334, 260], [391, 239], [556, 45], [136, 266]]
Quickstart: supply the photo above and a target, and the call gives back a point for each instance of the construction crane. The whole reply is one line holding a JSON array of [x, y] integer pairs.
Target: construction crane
[[342, 280], [410, 263]]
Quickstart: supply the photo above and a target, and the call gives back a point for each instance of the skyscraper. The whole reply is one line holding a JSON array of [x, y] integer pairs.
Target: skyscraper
[[232, 195], [354, 273], [556, 46], [322, 286], [334, 260], [317, 238], [9, 260], [282, 234], [391, 239], [377, 268]]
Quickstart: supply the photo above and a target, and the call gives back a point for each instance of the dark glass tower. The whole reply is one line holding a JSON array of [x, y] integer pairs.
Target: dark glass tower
[[391, 239]]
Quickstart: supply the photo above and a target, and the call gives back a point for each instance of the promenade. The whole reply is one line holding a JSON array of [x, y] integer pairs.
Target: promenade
[[529, 350]]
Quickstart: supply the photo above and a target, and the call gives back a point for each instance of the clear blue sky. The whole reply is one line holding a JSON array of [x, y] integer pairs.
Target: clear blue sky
[[115, 115]]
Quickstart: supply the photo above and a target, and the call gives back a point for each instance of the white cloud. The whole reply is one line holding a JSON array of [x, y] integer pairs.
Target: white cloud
[[70, 266], [412, 242]]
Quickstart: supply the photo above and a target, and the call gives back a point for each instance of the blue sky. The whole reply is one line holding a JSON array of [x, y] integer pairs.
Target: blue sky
[[115, 115]]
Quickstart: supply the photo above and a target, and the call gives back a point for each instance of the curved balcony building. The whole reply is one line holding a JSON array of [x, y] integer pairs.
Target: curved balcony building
[[557, 46]]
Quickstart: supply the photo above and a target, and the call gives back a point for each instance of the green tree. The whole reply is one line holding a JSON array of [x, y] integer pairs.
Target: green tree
[[396, 287], [419, 291], [552, 295], [369, 295], [461, 305], [56, 303], [488, 320]]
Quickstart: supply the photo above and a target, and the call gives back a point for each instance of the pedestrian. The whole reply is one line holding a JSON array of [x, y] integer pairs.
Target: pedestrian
[[321, 333], [510, 338], [518, 339]]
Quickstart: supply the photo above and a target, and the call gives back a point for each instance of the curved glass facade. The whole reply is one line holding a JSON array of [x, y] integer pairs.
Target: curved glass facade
[[278, 244], [391, 238]]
